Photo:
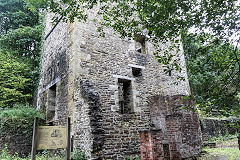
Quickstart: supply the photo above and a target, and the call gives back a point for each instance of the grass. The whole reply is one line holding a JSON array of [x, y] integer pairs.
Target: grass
[[221, 138], [228, 153], [227, 148], [45, 155]]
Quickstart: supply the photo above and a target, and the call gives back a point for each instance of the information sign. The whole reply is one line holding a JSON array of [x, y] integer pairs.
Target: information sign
[[51, 137]]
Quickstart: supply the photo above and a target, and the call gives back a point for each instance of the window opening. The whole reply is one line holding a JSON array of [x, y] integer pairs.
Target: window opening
[[51, 103], [166, 151], [137, 72], [140, 44], [125, 96]]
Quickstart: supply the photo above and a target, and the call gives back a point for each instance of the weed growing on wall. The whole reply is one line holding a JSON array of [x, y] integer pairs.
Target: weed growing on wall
[[78, 155]]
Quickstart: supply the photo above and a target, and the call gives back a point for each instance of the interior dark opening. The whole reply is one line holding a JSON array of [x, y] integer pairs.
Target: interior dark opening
[[125, 96], [51, 103], [137, 72], [166, 151], [140, 44]]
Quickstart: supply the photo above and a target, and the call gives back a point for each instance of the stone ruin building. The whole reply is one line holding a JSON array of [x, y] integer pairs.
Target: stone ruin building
[[120, 101]]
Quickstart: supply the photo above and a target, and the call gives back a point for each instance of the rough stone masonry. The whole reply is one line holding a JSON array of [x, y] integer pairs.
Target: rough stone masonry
[[109, 87]]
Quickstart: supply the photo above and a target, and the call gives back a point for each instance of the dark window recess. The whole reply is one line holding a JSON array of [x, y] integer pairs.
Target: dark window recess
[[139, 49], [166, 151], [50, 124], [140, 44], [125, 96], [51, 103], [137, 72]]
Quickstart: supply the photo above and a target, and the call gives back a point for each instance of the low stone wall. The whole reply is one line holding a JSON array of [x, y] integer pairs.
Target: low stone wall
[[215, 127], [17, 142]]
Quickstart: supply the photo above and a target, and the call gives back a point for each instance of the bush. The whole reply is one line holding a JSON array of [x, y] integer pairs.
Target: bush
[[20, 116]]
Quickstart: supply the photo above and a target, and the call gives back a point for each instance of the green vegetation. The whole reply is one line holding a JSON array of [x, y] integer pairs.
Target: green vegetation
[[20, 47], [156, 20], [213, 63], [18, 117], [214, 73], [45, 155], [78, 155], [13, 80], [227, 153], [160, 19], [136, 158], [227, 148], [14, 14], [223, 139]]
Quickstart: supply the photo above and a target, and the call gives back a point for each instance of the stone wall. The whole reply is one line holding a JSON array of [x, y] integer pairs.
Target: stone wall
[[87, 87], [54, 72], [17, 142], [180, 127], [215, 127], [104, 62]]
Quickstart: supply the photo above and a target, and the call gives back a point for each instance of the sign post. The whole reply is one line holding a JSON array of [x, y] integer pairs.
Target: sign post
[[51, 137], [239, 141], [34, 139], [68, 149]]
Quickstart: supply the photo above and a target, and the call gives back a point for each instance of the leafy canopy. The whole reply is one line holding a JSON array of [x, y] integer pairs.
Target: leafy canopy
[[212, 61], [20, 47], [23, 42], [13, 81], [14, 13], [214, 73], [159, 19]]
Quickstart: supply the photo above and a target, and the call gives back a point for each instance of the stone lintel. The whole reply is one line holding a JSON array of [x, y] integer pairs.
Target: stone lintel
[[136, 66], [123, 77], [52, 83]]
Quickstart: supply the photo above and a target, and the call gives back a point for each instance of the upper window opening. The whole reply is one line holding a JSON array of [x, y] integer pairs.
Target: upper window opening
[[140, 44], [137, 72], [125, 96], [51, 103]]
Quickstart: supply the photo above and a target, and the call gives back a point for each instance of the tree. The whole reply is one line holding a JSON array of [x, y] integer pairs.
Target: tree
[[157, 20], [20, 39], [14, 82], [25, 43], [14, 13], [160, 19], [214, 73]]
